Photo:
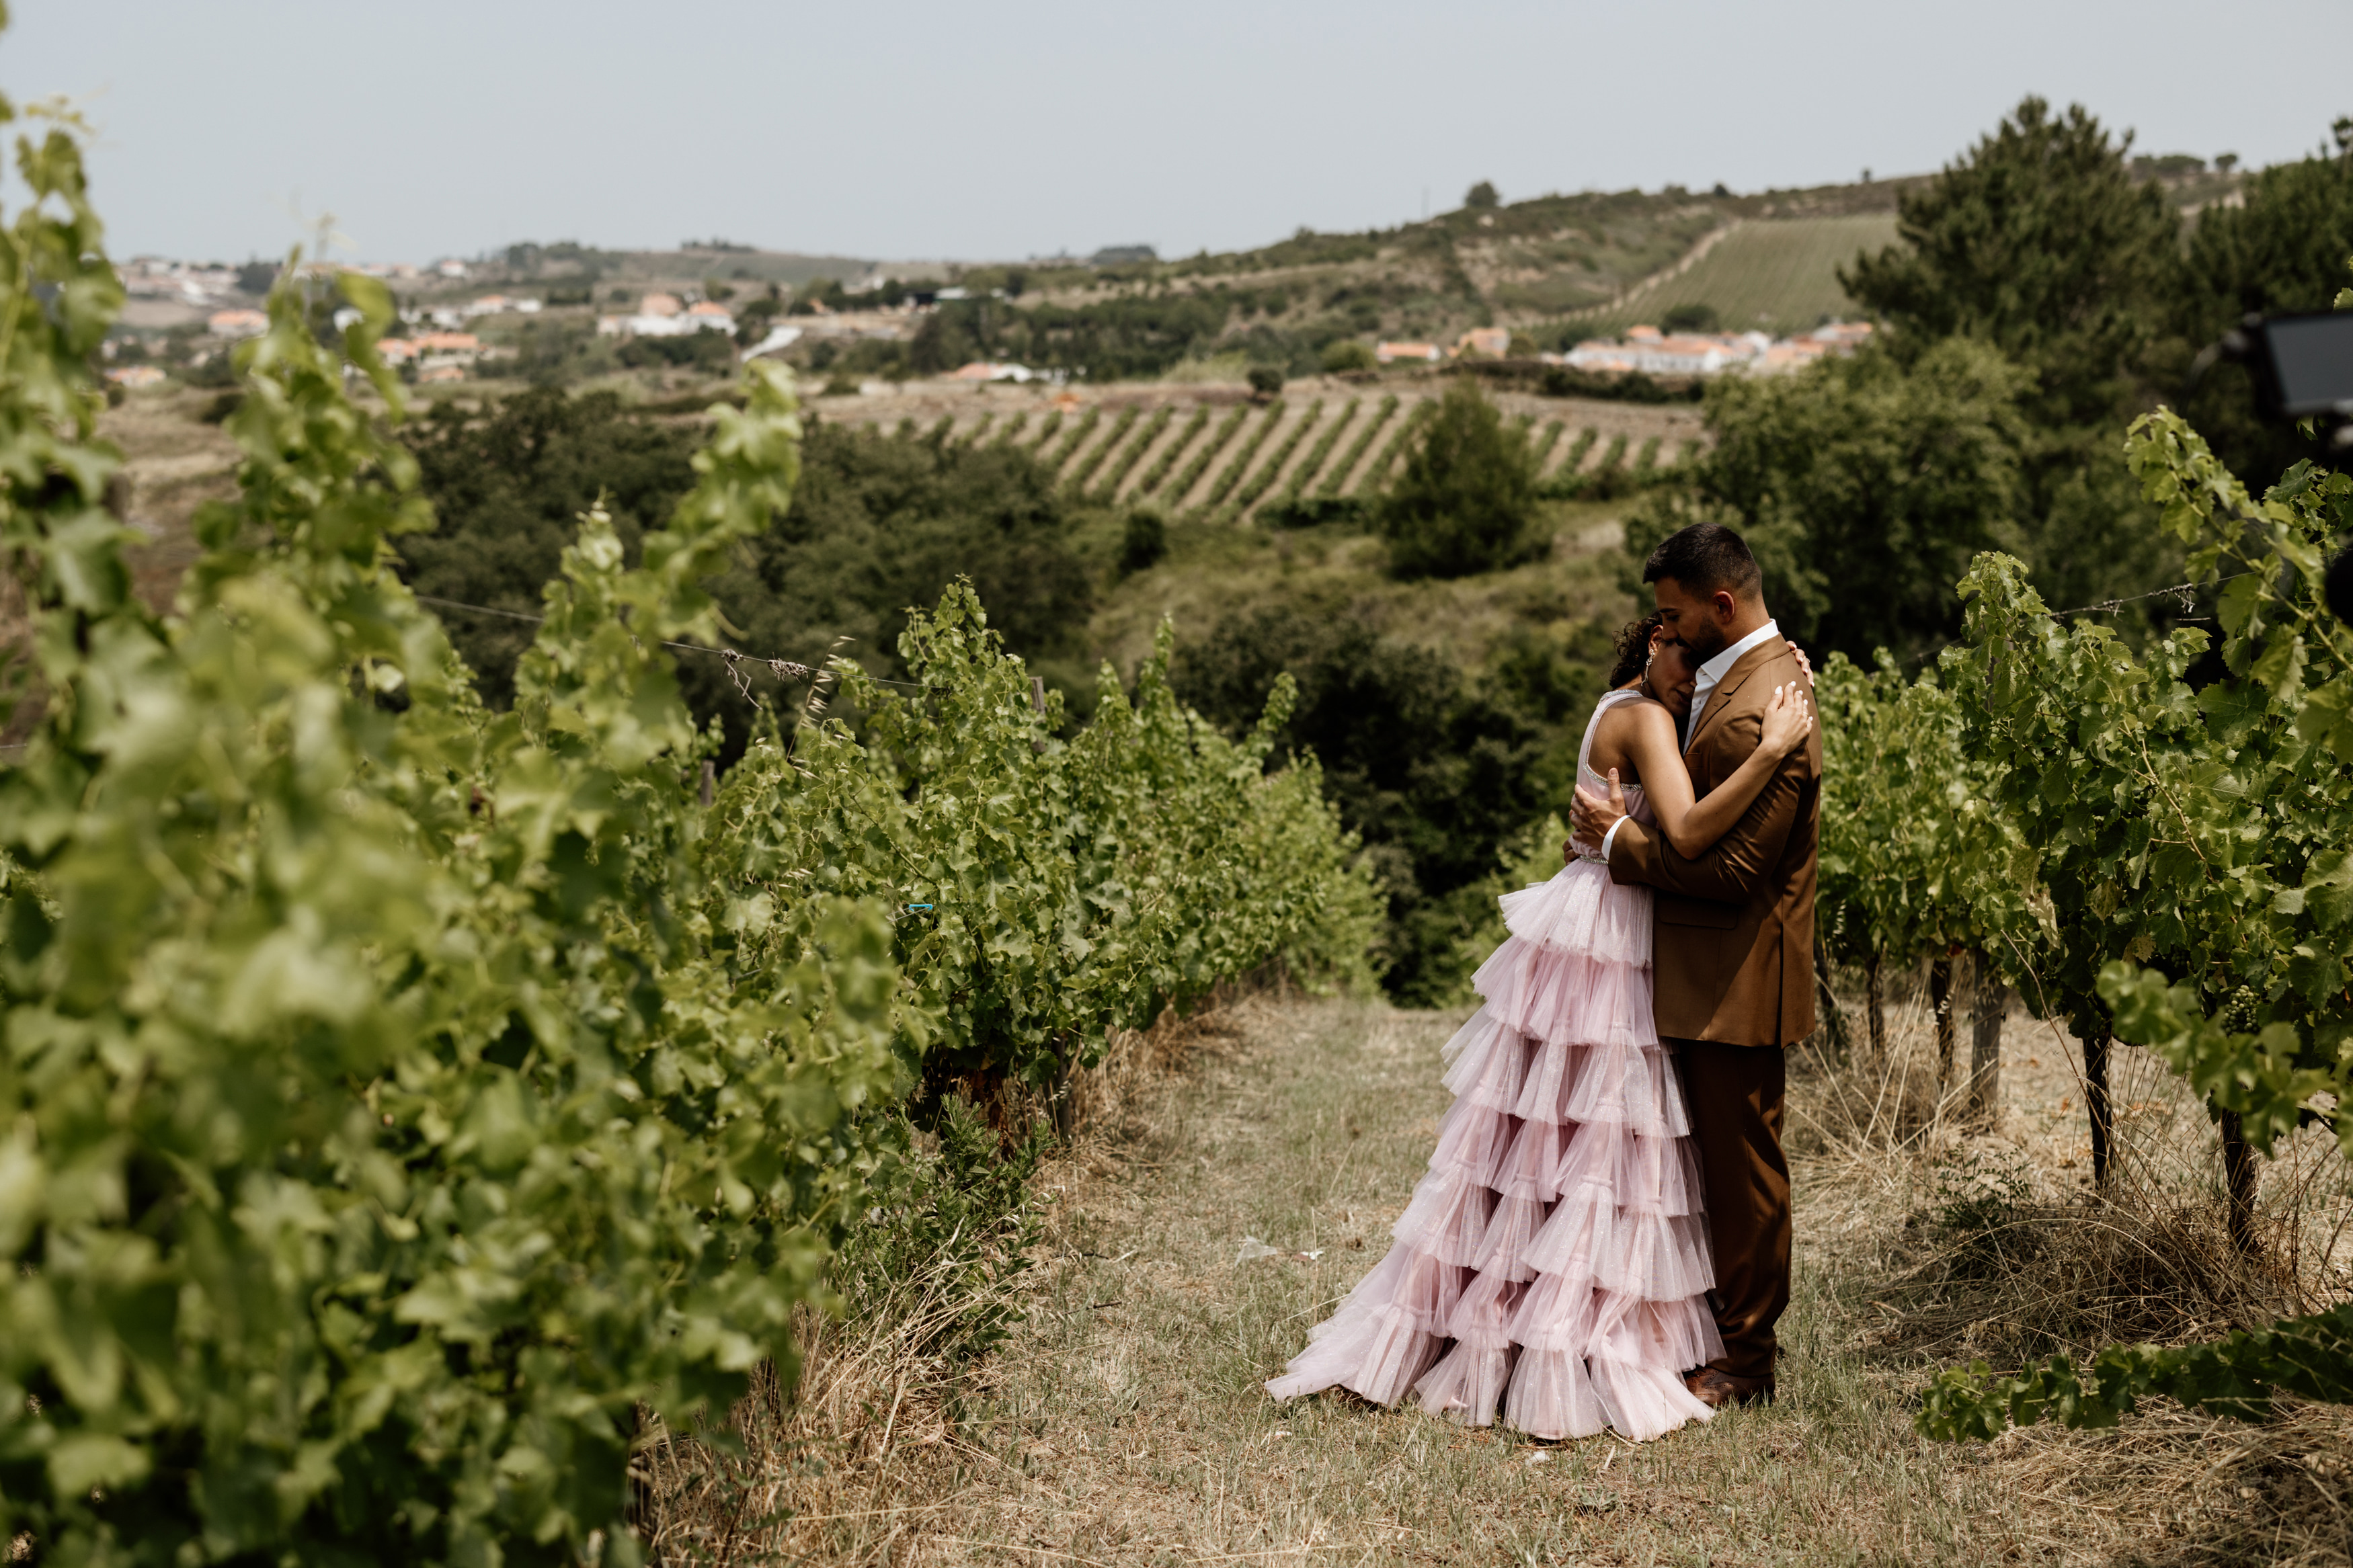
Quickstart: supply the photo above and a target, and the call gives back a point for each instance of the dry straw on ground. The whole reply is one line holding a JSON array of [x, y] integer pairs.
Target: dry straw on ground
[[1122, 1423]]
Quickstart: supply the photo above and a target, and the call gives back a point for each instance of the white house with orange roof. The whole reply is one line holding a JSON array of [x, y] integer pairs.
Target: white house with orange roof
[[238, 324], [667, 316], [1654, 353], [447, 352], [1389, 354]]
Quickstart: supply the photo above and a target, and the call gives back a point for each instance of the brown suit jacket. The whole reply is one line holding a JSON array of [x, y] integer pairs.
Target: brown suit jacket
[[1734, 960]]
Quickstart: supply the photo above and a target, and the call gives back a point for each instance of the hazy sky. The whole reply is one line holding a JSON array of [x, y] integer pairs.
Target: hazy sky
[[921, 130]]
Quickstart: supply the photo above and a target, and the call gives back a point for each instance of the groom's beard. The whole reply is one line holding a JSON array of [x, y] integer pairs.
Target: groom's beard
[[1704, 640]]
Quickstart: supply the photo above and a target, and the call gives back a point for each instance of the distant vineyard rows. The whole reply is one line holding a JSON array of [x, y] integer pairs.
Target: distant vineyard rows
[[1208, 458]]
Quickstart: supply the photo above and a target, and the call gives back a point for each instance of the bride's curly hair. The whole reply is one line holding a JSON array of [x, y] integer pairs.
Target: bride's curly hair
[[1634, 648]]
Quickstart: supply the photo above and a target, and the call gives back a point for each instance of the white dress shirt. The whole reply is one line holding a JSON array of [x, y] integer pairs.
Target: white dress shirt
[[1715, 670], [1709, 674]]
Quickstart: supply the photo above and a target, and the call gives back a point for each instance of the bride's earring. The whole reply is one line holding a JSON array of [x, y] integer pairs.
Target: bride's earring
[[1646, 688]]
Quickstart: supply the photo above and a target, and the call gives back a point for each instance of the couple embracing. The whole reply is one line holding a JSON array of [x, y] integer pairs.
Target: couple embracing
[[1603, 1235]]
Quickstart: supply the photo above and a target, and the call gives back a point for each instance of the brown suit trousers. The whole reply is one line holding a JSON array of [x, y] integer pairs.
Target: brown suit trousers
[[1733, 968], [1735, 1095]]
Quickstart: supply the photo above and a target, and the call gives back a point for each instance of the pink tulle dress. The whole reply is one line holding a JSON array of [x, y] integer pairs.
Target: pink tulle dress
[[1553, 1262]]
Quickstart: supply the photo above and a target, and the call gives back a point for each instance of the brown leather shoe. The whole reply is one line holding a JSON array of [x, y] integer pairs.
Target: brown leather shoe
[[1717, 1389]]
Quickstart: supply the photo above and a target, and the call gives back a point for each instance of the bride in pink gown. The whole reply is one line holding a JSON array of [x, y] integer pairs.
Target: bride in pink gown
[[1555, 1262]]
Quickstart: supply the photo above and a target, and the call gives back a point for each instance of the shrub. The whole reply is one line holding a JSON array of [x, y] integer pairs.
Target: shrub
[[1467, 496], [1634, 387], [1344, 354], [1265, 380], [1144, 541], [714, 353], [1313, 511], [1691, 317]]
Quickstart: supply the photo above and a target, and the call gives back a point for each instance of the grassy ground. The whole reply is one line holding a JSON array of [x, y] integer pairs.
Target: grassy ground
[[1125, 1421]]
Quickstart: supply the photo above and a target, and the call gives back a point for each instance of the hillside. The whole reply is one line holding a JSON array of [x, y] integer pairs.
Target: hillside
[[1773, 274], [1553, 270]]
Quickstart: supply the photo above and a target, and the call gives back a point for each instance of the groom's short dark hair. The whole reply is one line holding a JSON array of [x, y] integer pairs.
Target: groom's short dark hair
[[1705, 558]]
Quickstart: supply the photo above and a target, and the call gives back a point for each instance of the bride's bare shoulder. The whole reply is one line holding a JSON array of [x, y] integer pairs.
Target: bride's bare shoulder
[[1642, 715]]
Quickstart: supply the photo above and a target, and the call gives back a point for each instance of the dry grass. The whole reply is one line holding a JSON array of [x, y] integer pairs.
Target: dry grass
[[1122, 1423]]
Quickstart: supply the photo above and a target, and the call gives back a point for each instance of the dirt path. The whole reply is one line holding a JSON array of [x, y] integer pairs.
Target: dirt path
[[1126, 1422]]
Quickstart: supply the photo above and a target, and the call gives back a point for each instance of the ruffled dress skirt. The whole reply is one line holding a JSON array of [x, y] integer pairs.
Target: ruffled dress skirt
[[1552, 1265]]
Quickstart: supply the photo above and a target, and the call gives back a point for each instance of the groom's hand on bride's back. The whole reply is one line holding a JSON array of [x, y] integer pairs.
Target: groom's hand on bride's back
[[1591, 816]]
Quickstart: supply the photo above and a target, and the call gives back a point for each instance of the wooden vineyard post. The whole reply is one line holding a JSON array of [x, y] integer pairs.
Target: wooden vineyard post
[[2239, 1183], [2096, 1097], [1875, 1008], [1940, 997], [1986, 1009], [1833, 1018]]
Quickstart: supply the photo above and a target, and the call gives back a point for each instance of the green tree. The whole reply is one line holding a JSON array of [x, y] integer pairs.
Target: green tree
[[1864, 487], [2043, 243], [2283, 249], [1468, 494], [1481, 196]]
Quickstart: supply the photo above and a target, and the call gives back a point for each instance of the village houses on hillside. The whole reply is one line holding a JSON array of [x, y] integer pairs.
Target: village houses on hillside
[[668, 316], [1654, 353]]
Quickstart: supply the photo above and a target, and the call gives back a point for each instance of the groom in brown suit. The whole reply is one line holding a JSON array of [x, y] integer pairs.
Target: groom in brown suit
[[1733, 960]]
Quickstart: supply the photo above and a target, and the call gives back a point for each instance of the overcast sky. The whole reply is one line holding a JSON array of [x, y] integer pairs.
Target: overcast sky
[[922, 130]]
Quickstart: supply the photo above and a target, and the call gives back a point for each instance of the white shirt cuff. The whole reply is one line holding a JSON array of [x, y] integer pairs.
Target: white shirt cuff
[[1611, 834]]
